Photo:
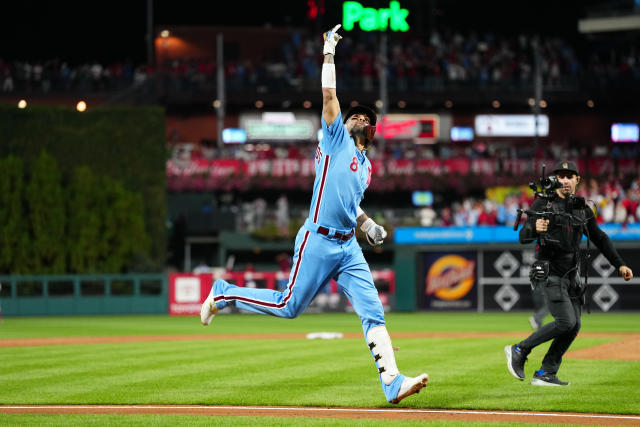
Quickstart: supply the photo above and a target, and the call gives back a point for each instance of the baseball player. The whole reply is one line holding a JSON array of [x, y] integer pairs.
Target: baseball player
[[325, 246]]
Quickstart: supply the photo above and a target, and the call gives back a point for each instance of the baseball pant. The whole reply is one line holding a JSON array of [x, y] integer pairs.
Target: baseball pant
[[317, 259]]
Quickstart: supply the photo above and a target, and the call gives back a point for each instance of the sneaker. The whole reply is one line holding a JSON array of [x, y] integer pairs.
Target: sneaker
[[411, 386], [208, 309], [534, 324], [544, 378], [515, 361]]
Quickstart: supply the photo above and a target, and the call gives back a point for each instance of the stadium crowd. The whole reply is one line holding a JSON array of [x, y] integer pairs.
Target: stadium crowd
[[613, 203], [408, 150], [442, 60]]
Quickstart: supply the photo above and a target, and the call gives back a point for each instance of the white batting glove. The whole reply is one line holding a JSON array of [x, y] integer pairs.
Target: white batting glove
[[375, 233], [331, 39]]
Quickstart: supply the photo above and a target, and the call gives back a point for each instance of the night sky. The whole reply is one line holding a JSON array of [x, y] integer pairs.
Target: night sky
[[80, 31]]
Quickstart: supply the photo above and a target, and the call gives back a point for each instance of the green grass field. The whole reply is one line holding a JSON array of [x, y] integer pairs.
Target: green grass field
[[467, 373]]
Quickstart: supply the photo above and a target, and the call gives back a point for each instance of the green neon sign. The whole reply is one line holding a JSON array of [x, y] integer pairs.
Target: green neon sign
[[370, 19]]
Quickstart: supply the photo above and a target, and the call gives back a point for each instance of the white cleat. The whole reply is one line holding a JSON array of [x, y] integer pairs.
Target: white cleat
[[411, 386], [208, 309]]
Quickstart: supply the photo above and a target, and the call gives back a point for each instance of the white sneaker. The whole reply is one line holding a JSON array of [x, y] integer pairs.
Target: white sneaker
[[208, 309], [411, 386]]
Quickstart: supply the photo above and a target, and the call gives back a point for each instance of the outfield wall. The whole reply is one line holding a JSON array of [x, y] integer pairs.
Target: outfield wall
[[83, 294], [495, 277]]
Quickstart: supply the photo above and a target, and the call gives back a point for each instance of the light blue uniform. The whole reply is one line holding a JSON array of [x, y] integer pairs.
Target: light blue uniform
[[343, 173]]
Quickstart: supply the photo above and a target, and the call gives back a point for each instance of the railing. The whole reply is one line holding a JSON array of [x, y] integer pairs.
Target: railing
[[39, 295]]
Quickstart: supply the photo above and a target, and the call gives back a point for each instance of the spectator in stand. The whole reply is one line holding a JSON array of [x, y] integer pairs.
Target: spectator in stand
[[445, 217], [202, 268], [619, 212], [488, 214], [427, 216], [460, 215]]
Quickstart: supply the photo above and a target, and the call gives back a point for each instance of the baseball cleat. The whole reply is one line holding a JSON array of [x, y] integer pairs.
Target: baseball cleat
[[515, 361], [208, 309], [411, 386]]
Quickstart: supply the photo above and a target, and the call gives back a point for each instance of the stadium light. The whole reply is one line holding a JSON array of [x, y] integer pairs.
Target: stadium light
[[81, 106], [22, 104], [164, 34]]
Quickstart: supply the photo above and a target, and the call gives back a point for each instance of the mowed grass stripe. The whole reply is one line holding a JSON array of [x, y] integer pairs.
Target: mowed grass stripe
[[230, 421], [123, 370], [32, 327]]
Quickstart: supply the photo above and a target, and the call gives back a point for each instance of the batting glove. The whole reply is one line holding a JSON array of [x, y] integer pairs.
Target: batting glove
[[375, 233], [331, 39]]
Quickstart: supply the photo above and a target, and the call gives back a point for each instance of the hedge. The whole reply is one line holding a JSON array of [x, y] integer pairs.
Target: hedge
[[122, 149]]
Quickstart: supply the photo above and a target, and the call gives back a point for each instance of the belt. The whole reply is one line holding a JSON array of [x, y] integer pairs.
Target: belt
[[344, 237]]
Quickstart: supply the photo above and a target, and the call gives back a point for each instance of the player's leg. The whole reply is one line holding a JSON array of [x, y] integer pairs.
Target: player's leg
[[313, 263], [356, 282]]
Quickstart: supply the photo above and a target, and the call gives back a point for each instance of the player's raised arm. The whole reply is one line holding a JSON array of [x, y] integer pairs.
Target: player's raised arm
[[330, 105]]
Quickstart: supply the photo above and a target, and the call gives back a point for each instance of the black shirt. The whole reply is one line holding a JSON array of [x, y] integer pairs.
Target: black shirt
[[564, 233]]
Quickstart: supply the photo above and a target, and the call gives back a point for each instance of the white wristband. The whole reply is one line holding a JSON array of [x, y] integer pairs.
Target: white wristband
[[329, 75], [367, 225], [359, 212]]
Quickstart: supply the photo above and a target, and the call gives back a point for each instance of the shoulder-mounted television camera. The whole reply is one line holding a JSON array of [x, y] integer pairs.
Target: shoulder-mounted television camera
[[546, 189]]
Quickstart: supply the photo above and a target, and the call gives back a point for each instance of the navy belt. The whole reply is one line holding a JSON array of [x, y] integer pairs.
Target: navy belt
[[344, 237]]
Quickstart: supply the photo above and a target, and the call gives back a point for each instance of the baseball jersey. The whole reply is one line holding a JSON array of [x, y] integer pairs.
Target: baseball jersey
[[343, 173]]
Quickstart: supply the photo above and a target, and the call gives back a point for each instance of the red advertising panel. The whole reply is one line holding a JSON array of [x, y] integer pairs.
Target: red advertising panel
[[187, 292]]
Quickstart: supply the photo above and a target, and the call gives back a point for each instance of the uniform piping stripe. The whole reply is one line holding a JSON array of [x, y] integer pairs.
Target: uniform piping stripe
[[290, 286], [321, 190]]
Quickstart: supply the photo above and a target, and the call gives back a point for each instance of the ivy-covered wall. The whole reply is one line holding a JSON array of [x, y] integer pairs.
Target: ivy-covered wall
[[72, 185]]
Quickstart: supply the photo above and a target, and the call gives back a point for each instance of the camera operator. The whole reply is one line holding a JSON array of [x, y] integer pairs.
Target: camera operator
[[558, 223]]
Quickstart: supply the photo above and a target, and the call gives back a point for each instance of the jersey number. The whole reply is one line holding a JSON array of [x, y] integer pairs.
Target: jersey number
[[354, 165]]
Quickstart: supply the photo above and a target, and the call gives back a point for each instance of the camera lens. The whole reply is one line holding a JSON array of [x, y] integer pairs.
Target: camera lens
[[551, 183]]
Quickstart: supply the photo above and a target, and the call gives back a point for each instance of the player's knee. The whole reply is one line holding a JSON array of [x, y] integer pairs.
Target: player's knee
[[290, 312], [566, 324], [576, 326]]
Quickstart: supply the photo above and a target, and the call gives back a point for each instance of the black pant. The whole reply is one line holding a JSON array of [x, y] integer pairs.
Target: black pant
[[540, 305], [565, 306]]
